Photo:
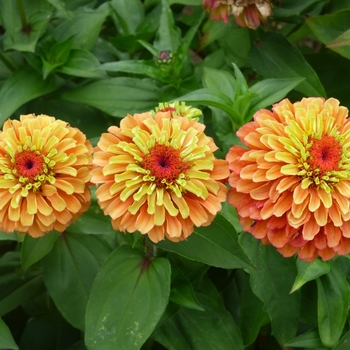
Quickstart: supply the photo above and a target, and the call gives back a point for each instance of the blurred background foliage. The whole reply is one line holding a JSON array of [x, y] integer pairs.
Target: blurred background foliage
[[92, 62]]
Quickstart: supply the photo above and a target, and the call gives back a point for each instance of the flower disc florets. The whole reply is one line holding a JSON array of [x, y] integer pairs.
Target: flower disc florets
[[159, 175], [291, 185], [44, 171]]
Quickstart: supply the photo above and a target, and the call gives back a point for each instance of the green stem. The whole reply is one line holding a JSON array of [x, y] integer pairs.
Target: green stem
[[150, 249], [23, 17]]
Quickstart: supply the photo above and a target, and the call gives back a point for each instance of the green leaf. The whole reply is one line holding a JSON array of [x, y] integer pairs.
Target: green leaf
[[16, 286], [217, 79], [184, 295], [23, 86], [15, 38], [271, 282], [252, 315], [333, 303], [127, 300], [310, 339], [218, 244], [213, 98], [83, 27], [33, 249], [117, 96], [343, 343], [168, 36], [130, 13], [4, 236], [274, 57], [309, 271], [288, 8], [271, 91], [82, 63], [333, 31], [56, 56], [147, 68], [6, 339], [193, 329], [69, 270]]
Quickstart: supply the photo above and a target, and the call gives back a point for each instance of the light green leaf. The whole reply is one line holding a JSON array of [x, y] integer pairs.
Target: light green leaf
[[6, 339], [127, 300], [84, 27], [271, 91], [117, 96], [333, 304], [82, 63], [309, 271], [343, 343], [130, 13], [218, 244], [69, 270], [274, 57], [147, 68], [217, 79], [168, 35]]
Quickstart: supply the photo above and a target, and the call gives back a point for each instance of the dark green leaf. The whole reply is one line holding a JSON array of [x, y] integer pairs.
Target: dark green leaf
[[6, 339], [274, 57], [309, 271], [16, 286], [117, 96], [218, 244], [333, 303], [271, 282], [333, 31], [343, 343], [184, 295], [69, 270], [192, 329], [33, 249], [310, 339], [127, 300], [24, 85]]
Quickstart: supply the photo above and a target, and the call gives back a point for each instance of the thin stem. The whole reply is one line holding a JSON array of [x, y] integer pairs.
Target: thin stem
[[23, 17], [150, 249]]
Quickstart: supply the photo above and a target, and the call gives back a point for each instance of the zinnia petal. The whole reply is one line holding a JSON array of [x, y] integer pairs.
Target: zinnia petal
[[45, 167], [308, 184], [160, 172]]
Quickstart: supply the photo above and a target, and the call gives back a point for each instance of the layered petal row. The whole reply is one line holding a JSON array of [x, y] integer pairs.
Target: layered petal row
[[158, 175], [290, 183], [44, 175]]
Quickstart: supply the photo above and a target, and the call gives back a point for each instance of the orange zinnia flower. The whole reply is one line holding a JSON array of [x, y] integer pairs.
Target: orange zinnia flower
[[291, 185], [159, 175], [44, 170]]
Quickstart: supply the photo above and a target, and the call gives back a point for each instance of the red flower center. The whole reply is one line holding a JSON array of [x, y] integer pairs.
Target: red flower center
[[325, 154], [164, 163], [28, 164]]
